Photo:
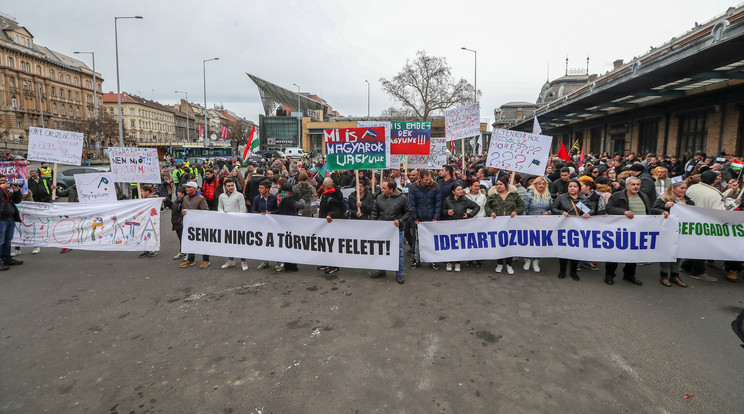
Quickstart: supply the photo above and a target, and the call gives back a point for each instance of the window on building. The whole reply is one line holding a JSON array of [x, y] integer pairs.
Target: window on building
[[78, 113], [595, 143], [77, 96], [131, 123], [131, 111], [54, 91], [20, 125], [10, 61], [68, 78], [12, 82], [648, 136], [38, 70], [51, 74], [13, 102], [69, 95], [693, 130], [54, 108], [64, 112], [76, 80], [60, 76]]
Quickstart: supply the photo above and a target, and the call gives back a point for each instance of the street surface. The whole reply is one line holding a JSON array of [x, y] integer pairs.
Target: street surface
[[89, 332]]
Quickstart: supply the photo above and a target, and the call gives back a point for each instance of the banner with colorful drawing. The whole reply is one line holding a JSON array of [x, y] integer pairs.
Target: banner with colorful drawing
[[410, 138], [16, 172], [355, 148], [462, 122], [95, 187], [518, 151], [129, 225]]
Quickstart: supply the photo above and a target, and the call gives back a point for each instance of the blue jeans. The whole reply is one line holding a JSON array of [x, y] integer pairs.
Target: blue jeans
[[402, 238], [191, 257], [7, 228]]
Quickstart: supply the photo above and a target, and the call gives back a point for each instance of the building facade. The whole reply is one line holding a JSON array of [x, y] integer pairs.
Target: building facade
[[146, 121], [36, 81]]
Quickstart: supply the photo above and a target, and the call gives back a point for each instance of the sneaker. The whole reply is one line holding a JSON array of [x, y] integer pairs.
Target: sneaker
[[244, 266], [527, 264], [448, 267], [499, 268], [151, 254], [434, 266], [509, 269], [65, 250], [187, 263], [36, 250], [332, 270], [414, 264], [704, 277], [457, 267], [732, 275], [536, 265], [13, 262], [279, 267], [203, 265], [179, 256], [400, 279], [593, 266], [263, 265], [228, 264], [15, 253], [143, 254], [322, 268]]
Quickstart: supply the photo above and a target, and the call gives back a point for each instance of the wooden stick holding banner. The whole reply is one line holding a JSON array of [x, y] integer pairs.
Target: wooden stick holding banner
[[358, 195], [139, 191], [54, 182], [511, 179], [405, 169]]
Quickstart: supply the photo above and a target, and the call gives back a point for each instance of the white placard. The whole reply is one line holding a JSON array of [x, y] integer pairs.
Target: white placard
[[462, 122], [677, 179], [95, 187], [358, 244], [709, 234], [436, 159], [54, 145], [134, 165], [518, 151], [128, 225]]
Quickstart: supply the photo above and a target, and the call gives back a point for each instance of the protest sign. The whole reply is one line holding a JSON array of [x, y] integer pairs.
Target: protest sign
[[345, 243], [389, 163], [355, 148], [410, 138], [134, 165], [518, 151], [130, 225], [16, 172], [600, 238], [53, 145], [710, 234], [436, 159], [95, 187], [462, 122]]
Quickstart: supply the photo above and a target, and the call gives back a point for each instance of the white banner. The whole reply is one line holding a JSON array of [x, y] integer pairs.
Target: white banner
[[134, 165], [130, 225], [345, 243], [390, 161], [600, 238], [436, 159], [518, 151], [95, 187], [709, 234], [462, 122], [53, 145]]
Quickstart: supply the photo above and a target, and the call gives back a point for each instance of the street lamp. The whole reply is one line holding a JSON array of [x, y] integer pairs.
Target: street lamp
[[299, 120], [118, 83], [95, 93], [475, 85], [188, 137], [204, 72], [367, 97]]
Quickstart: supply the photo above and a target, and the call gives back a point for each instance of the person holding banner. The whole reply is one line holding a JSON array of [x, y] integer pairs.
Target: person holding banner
[[674, 194], [392, 205], [537, 202], [361, 204], [504, 201], [332, 206], [10, 195], [570, 204], [630, 203], [232, 201], [194, 201], [457, 206], [426, 203], [290, 204]]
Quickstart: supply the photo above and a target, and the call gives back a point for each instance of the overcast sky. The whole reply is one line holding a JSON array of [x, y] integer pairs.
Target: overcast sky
[[330, 47]]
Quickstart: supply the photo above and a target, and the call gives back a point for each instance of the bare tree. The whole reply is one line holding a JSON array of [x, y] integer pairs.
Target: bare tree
[[237, 133], [404, 114], [426, 86], [107, 127]]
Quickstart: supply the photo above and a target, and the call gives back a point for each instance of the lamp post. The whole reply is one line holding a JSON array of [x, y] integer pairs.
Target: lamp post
[[367, 97], [95, 93], [118, 83], [299, 120], [188, 137], [204, 72]]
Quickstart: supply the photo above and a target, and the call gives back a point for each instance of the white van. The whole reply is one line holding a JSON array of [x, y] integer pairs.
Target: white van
[[294, 152]]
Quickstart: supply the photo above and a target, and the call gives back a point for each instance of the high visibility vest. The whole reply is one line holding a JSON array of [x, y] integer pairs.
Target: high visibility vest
[[195, 172], [46, 173], [177, 173]]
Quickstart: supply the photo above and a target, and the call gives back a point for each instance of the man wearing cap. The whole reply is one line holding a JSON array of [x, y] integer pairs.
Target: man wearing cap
[[647, 181], [690, 166], [194, 201]]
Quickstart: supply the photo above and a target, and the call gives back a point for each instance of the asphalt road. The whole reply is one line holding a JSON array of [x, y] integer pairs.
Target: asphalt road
[[89, 332]]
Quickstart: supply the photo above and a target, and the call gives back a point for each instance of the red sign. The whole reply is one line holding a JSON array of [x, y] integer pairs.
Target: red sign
[[201, 131]]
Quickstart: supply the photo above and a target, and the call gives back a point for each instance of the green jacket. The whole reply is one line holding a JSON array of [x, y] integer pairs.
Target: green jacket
[[495, 204]]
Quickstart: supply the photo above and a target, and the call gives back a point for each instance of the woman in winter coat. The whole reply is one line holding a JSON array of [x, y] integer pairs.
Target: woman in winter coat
[[458, 206], [674, 194], [479, 197], [568, 204], [304, 190], [361, 205], [289, 205], [504, 201], [537, 202]]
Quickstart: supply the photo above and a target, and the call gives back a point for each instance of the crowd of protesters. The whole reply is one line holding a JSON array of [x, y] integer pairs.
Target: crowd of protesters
[[462, 189]]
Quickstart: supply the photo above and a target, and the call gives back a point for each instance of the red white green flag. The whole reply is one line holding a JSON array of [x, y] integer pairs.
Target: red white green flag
[[252, 144], [737, 165]]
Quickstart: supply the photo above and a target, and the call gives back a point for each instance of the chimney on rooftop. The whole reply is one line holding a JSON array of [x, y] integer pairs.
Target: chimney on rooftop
[[616, 64]]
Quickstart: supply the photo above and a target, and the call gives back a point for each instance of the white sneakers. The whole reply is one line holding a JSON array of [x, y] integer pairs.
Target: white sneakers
[[36, 250], [527, 264], [457, 267], [179, 256], [228, 264], [244, 266], [449, 267], [509, 270], [536, 265], [15, 253], [499, 268]]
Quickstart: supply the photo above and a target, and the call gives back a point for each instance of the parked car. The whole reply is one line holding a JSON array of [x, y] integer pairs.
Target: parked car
[[196, 161], [271, 154], [66, 178]]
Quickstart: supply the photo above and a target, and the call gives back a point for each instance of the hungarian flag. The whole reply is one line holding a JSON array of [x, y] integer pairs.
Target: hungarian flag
[[737, 165], [563, 154], [252, 144], [452, 147]]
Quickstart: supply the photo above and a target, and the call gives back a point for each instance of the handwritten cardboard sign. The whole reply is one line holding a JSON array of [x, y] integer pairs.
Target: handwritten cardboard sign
[[134, 165], [462, 122], [16, 172], [435, 160], [95, 187], [518, 151], [410, 138], [54, 145], [355, 148], [390, 162]]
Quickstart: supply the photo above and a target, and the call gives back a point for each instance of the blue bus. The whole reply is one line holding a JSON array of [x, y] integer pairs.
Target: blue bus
[[212, 151]]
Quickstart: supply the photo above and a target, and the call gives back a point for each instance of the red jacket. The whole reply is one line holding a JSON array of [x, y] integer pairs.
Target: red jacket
[[209, 188]]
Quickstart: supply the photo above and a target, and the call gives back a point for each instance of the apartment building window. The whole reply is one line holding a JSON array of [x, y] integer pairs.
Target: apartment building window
[[54, 108], [78, 113], [76, 80], [69, 95], [12, 82], [68, 78], [60, 76], [693, 129], [54, 91], [38, 70], [13, 102], [51, 74], [10, 61], [131, 123], [63, 111], [20, 126], [71, 110], [77, 96], [131, 111]]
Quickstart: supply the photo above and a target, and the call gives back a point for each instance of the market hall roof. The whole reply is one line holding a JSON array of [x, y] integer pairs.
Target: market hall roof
[[708, 56], [272, 95]]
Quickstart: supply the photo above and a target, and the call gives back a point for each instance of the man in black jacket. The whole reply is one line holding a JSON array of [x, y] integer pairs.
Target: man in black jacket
[[40, 188], [332, 206], [9, 197], [251, 186], [629, 202], [648, 185], [392, 205]]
